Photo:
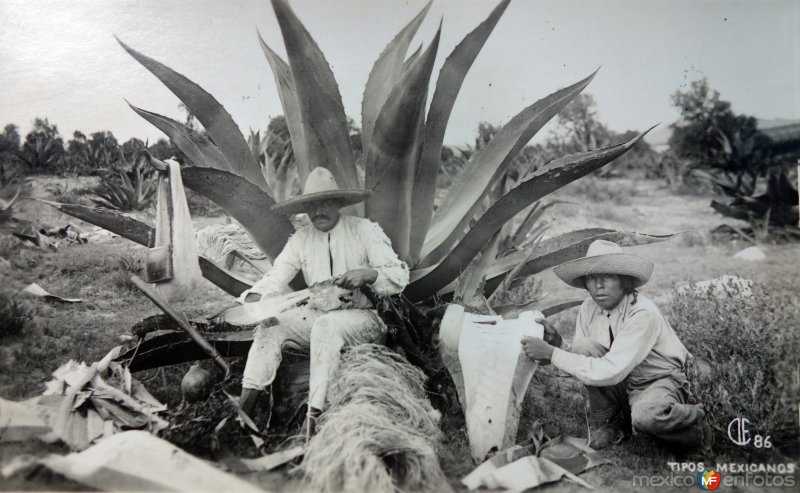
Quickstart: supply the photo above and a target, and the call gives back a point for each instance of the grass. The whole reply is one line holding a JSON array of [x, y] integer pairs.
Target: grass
[[98, 273]]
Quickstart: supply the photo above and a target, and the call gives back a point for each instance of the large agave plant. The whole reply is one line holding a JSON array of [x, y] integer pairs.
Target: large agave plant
[[402, 145]]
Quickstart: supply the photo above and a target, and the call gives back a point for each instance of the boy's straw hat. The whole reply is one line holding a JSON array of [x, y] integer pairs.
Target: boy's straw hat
[[604, 257]]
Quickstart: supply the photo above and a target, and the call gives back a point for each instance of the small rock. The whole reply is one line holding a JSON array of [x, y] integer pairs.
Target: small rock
[[723, 287], [751, 254]]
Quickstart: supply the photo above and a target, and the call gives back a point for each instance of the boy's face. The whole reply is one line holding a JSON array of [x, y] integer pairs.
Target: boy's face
[[324, 214], [606, 289]]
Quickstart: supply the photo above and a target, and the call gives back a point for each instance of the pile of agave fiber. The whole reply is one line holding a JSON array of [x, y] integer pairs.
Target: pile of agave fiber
[[379, 433]]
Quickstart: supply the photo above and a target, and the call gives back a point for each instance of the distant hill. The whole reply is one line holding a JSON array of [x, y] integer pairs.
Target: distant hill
[[659, 137], [776, 122]]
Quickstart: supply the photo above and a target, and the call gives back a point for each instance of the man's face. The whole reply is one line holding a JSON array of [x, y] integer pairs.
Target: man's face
[[324, 214], [606, 289]]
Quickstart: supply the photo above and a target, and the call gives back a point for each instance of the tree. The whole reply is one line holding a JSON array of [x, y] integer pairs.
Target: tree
[[10, 163], [131, 147], [88, 156], [43, 149], [578, 129], [712, 136], [165, 149], [9, 139]]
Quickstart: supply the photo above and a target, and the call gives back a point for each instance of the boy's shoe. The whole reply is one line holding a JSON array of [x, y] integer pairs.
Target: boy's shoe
[[707, 430], [606, 436]]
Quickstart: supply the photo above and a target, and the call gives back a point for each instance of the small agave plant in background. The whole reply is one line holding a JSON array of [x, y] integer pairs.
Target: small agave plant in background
[[402, 146]]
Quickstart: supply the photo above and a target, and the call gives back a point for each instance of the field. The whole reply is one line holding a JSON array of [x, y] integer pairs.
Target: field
[[98, 272]]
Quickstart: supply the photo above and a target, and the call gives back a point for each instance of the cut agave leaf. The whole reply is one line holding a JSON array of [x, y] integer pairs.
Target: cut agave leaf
[[451, 76], [324, 122], [483, 169], [549, 178], [200, 151], [291, 108], [394, 151], [114, 221], [144, 234], [385, 74], [248, 204], [211, 114]]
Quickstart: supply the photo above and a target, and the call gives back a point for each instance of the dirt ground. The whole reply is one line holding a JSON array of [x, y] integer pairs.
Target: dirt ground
[[98, 273]]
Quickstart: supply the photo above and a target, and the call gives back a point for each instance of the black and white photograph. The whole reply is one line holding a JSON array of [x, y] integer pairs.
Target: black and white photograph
[[399, 246]]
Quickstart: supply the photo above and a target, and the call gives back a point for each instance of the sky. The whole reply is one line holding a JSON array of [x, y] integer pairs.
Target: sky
[[60, 60]]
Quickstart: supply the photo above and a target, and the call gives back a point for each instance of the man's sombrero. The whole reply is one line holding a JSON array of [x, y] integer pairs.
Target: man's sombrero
[[604, 257], [320, 185]]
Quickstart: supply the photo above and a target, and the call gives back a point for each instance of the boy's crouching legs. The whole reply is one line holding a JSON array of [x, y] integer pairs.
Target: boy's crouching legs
[[661, 410], [609, 418]]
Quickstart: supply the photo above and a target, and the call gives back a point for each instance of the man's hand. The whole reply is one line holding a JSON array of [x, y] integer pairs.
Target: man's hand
[[354, 279], [537, 349], [551, 335], [218, 319]]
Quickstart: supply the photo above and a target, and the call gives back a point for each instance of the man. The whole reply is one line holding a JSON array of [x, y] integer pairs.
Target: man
[[352, 251], [625, 352]]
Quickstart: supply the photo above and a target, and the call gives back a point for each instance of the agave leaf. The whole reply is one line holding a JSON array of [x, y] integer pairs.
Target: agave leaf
[[411, 59], [484, 168], [451, 76], [469, 289], [394, 151], [385, 74], [547, 179], [560, 307], [215, 119], [5, 205], [291, 108], [113, 221], [563, 248], [513, 311], [321, 109], [200, 151], [247, 203], [223, 278]]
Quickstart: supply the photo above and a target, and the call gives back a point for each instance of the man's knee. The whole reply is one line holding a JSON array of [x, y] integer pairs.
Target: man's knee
[[588, 347], [324, 333], [274, 336]]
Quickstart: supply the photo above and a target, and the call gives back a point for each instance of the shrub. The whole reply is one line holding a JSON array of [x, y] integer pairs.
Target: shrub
[[129, 265], [14, 316], [753, 348]]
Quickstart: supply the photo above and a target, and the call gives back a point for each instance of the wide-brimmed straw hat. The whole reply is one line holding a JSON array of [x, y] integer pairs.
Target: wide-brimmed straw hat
[[320, 185], [604, 257]]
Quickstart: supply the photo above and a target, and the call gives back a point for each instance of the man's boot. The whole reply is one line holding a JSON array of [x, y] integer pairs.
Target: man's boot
[[248, 401]]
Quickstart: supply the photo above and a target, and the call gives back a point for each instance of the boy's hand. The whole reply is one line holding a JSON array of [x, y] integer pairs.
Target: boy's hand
[[537, 349], [551, 335]]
